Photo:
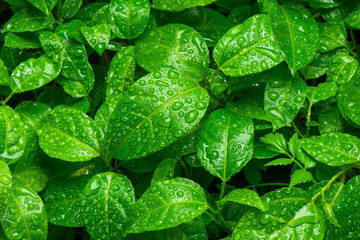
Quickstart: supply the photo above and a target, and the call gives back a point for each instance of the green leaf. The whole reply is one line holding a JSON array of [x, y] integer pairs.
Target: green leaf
[[296, 34], [5, 185], [33, 74], [69, 135], [226, 143], [44, 6], [12, 135], [218, 82], [325, 3], [211, 24], [300, 176], [26, 209], [353, 19], [342, 68], [348, 101], [97, 36], [239, 14], [330, 120], [173, 46], [107, 197], [280, 161], [162, 106], [69, 7], [283, 98], [127, 18], [162, 205], [120, 75], [290, 214], [22, 40], [312, 72], [243, 196], [332, 35], [235, 51], [4, 75], [164, 170], [75, 32], [322, 92], [330, 214], [28, 20], [176, 6], [276, 142], [346, 208], [333, 149]]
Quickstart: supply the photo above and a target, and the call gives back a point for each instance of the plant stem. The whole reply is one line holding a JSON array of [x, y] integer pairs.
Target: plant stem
[[7, 98], [222, 191], [308, 120], [297, 129], [352, 36]]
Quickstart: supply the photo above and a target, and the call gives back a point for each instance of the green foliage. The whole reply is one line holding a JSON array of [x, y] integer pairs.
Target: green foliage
[[179, 119]]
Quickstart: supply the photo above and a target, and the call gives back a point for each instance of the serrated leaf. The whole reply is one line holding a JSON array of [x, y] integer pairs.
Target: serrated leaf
[[22, 40], [333, 149], [342, 68], [156, 106], [26, 209], [12, 135], [283, 98], [322, 92], [225, 143], [289, 214], [109, 197], [28, 20], [280, 161], [332, 35], [300, 176], [5, 185], [120, 75], [211, 24], [97, 36], [235, 51], [296, 34], [69, 135], [243, 196], [176, 6], [276, 142], [174, 46], [127, 18], [167, 199], [33, 74], [44, 6]]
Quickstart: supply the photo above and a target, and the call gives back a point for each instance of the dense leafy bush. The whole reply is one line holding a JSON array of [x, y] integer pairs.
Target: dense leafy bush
[[179, 119]]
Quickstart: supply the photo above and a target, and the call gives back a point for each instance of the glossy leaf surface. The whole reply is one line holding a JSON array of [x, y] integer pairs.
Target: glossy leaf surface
[[289, 213], [348, 101], [322, 92], [333, 149], [163, 106], [69, 7], [97, 36], [5, 185], [296, 34], [128, 18], [247, 48], [243, 196], [68, 128], [44, 6], [175, 5], [283, 98], [22, 40], [113, 195], [24, 206], [342, 68], [33, 74], [161, 206], [13, 135], [332, 35], [175, 46], [225, 143]]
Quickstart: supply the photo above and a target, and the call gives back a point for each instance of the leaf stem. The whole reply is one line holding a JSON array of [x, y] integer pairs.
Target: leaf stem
[[308, 119], [352, 36], [222, 191], [297, 129], [7, 98]]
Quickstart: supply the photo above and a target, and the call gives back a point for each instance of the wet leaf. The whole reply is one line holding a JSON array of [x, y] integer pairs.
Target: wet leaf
[[322, 92], [243, 196], [5, 185], [342, 68], [44, 6], [176, 6], [332, 35], [22, 40], [97, 36], [348, 102]]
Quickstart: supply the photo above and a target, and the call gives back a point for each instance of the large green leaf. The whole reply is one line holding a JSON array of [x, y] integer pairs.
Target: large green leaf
[[107, 197], [174, 46], [5, 185], [247, 48], [12, 135], [127, 18], [28, 20], [167, 204], [69, 135], [296, 34], [283, 97], [332, 35], [175, 5], [33, 74], [44, 6], [211, 24], [333, 149], [243, 196], [226, 143], [26, 211], [346, 209], [289, 214], [155, 111], [120, 75]]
